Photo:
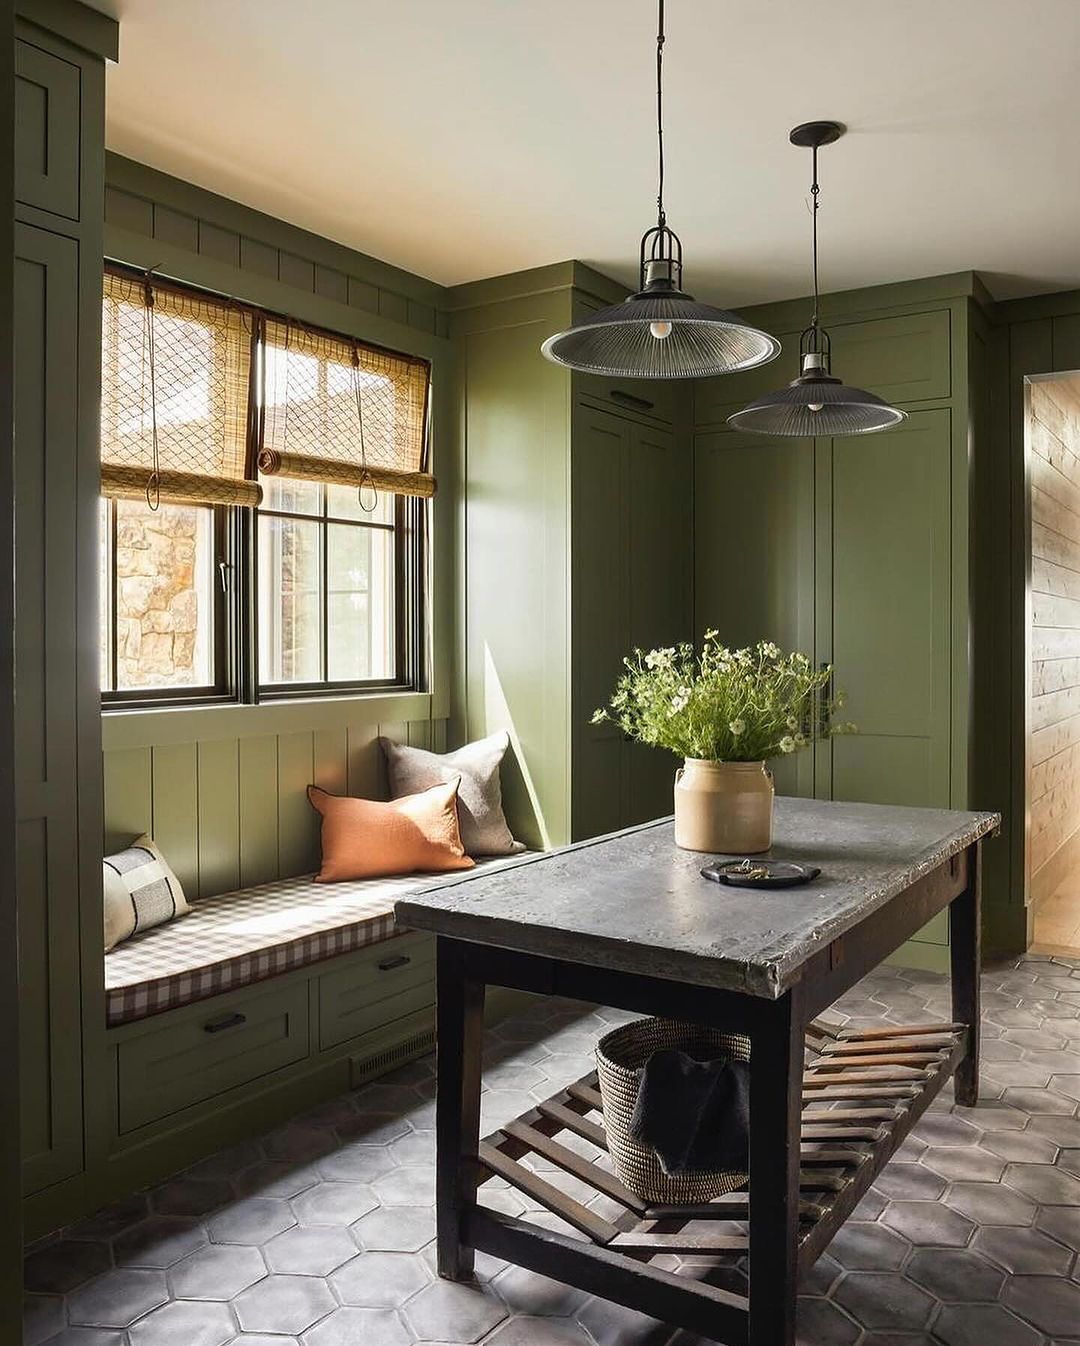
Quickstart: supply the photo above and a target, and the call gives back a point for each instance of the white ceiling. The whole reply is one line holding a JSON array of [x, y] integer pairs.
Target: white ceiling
[[466, 139]]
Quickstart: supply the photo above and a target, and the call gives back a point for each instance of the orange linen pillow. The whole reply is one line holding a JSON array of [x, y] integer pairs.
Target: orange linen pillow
[[366, 838]]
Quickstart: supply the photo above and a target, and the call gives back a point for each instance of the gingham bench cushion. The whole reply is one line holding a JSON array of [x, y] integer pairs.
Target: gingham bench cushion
[[247, 936]]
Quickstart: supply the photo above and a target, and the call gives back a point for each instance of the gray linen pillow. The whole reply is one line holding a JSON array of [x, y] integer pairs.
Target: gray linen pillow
[[480, 813], [141, 891]]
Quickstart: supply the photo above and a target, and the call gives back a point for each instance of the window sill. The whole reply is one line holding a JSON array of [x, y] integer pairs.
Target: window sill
[[153, 726]]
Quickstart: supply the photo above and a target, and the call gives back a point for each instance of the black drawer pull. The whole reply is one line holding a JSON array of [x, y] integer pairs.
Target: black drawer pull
[[230, 1021], [388, 964], [629, 400]]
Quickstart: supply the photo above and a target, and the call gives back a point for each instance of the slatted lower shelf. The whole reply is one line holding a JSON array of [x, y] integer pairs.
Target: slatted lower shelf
[[863, 1091]]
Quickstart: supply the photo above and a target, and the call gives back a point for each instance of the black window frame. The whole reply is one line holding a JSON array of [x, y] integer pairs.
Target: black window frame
[[237, 679]]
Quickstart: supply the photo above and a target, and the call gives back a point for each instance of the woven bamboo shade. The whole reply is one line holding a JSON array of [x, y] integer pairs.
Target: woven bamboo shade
[[198, 397], [313, 428]]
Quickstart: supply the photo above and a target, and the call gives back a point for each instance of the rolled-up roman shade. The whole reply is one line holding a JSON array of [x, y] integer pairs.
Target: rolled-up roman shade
[[339, 411], [179, 363]]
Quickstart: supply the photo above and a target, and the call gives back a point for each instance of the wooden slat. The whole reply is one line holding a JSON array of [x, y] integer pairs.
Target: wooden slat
[[573, 1121], [565, 1207], [897, 1031], [917, 1043], [840, 1132], [704, 1242], [817, 1114], [852, 1093], [834, 1156], [884, 1075], [899, 1058], [587, 1094], [574, 1164], [809, 1181]]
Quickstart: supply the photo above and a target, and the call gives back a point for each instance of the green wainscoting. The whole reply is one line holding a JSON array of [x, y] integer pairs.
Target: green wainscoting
[[233, 811]]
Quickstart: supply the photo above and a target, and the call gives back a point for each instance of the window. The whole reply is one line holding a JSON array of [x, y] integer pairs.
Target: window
[[256, 546]]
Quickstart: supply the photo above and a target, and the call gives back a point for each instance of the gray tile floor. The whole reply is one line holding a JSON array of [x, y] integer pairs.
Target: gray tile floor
[[321, 1232]]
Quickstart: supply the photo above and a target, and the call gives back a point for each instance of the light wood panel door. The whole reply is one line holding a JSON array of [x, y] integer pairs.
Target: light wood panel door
[[46, 568]]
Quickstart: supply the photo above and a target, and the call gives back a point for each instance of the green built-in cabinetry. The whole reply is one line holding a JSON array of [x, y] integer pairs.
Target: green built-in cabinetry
[[60, 88], [577, 545], [856, 550]]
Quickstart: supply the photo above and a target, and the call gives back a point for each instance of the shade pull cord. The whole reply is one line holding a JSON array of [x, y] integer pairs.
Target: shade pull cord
[[660, 216], [153, 485], [366, 482]]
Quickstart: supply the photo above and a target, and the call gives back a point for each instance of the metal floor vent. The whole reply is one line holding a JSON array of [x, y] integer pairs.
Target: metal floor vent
[[362, 1068]]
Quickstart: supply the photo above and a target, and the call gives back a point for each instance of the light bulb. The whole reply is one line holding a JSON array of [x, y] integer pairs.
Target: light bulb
[[660, 330], [814, 406]]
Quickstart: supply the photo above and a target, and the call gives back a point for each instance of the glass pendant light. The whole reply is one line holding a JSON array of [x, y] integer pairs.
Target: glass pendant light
[[660, 332], [816, 403]]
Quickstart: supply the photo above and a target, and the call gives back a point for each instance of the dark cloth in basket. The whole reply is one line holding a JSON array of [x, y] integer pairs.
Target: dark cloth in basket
[[694, 1114]]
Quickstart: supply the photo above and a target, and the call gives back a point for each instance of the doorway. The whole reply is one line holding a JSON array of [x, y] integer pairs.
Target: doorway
[[1052, 665]]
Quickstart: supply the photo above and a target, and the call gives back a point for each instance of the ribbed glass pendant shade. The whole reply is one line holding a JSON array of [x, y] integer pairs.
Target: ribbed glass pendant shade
[[816, 404], [660, 335]]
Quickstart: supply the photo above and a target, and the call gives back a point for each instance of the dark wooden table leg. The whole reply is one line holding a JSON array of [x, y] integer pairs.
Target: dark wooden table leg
[[776, 1071], [459, 1045], [965, 962]]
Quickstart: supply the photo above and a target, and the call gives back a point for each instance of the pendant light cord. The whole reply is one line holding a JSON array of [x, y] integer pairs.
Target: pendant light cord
[[815, 192], [660, 216]]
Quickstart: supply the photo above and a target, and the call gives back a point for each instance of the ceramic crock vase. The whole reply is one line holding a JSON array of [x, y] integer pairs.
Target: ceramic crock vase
[[724, 808]]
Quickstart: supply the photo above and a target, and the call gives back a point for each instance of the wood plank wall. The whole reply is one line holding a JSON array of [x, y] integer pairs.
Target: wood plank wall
[[232, 812], [1054, 787]]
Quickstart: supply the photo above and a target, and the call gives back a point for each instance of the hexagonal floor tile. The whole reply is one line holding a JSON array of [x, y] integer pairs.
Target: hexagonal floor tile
[[57, 1268], [158, 1242], [190, 1196], [310, 1251], [216, 1272], [859, 1246], [380, 1280], [404, 1229], [929, 1224], [820, 1321], [909, 1182], [1043, 1183], [1050, 1302], [1023, 1252], [253, 1220], [118, 1298], [981, 1325], [334, 1203], [185, 1323], [878, 1299], [990, 1203], [365, 1163], [1025, 1147], [946, 1129], [297, 1143], [527, 1293], [352, 1327], [526, 1331], [284, 1304], [449, 1311], [955, 1275], [963, 1163]]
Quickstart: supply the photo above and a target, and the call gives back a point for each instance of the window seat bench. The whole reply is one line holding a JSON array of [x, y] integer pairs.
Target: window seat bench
[[253, 934]]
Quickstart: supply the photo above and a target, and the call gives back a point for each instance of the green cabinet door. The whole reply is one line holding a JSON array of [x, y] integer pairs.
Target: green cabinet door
[[884, 585], [754, 553], [46, 315]]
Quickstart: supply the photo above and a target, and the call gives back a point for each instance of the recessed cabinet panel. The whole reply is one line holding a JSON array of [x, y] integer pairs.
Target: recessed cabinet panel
[[47, 131], [903, 359], [891, 606], [46, 294]]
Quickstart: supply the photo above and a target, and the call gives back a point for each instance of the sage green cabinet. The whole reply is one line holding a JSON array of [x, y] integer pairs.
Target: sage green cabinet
[[47, 114], [46, 270]]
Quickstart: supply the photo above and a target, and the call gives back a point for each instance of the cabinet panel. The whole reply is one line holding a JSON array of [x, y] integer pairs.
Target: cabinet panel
[[716, 398], [47, 91], [391, 982], [891, 605], [754, 552], [46, 295], [903, 359]]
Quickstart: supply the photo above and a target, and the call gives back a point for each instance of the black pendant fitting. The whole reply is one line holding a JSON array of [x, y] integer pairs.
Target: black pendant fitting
[[812, 135]]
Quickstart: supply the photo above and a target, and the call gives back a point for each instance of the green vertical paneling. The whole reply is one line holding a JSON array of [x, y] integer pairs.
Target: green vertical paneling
[[297, 820], [129, 795], [332, 760], [365, 768], [258, 772], [176, 810], [397, 732], [218, 816], [419, 732]]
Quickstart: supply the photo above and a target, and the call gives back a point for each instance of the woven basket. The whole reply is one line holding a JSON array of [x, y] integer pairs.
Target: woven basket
[[620, 1055]]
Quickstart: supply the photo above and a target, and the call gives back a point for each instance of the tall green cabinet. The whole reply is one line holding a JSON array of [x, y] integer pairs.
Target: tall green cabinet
[[576, 545], [59, 140], [857, 550]]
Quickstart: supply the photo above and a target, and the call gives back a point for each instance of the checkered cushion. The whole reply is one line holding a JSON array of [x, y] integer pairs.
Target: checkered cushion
[[247, 936]]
